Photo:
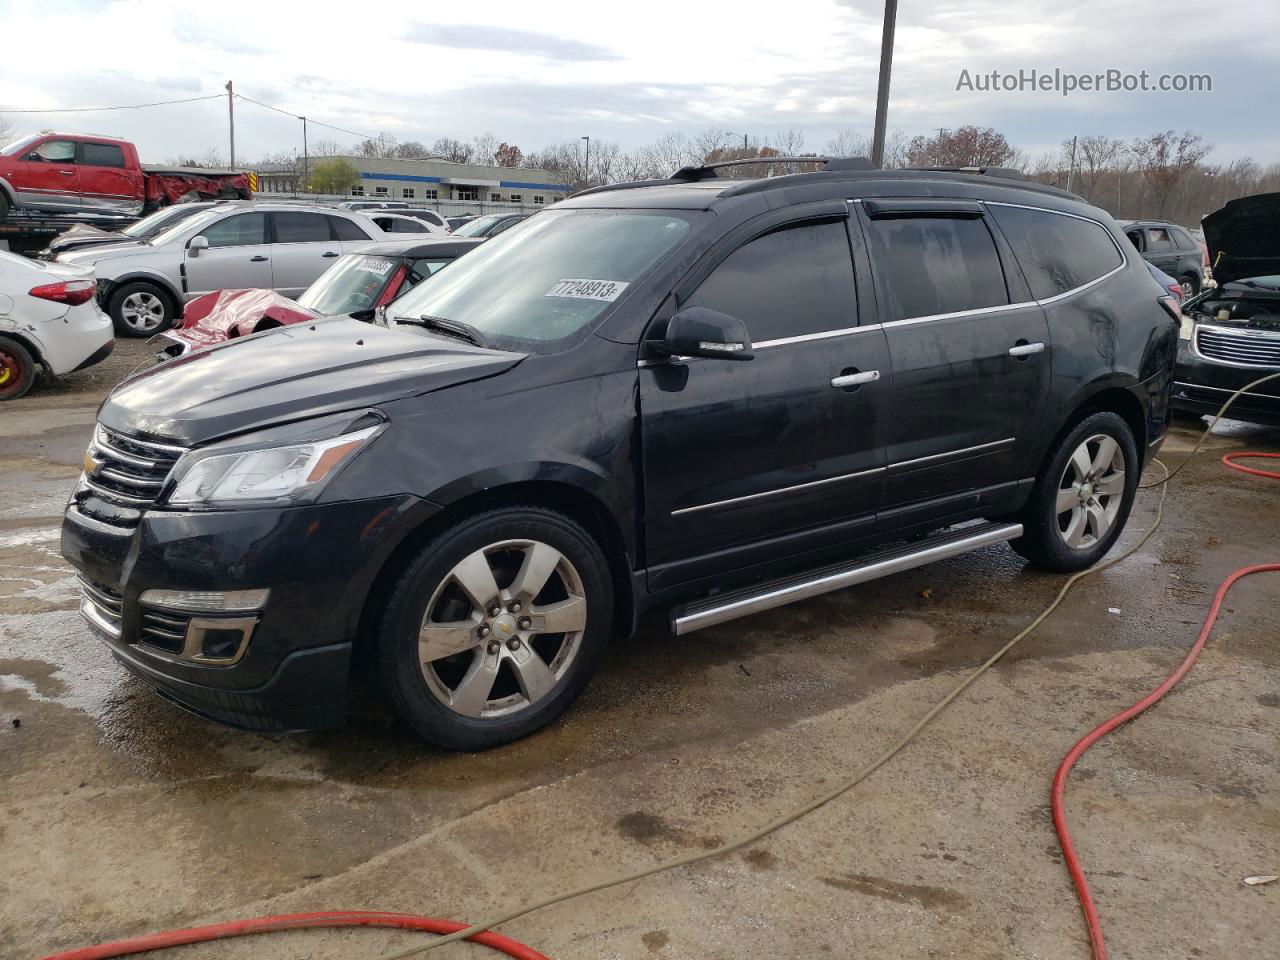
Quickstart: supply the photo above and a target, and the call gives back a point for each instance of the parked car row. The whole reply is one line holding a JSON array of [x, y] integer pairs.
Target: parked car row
[[624, 402]]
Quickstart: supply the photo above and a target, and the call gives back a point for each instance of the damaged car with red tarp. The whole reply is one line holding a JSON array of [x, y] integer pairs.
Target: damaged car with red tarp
[[359, 282]]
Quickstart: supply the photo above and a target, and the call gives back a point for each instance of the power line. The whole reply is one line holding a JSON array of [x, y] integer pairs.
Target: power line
[[130, 106], [318, 123]]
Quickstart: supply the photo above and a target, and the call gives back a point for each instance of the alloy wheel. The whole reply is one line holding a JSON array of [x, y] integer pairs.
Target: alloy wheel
[[1188, 289], [142, 311], [1090, 492], [502, 629]]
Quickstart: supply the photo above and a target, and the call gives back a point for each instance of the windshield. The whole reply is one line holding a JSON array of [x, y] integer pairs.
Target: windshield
[[176, 230], [547, 277], [350, 285], [477, 227], [152, 225], [16, 147]]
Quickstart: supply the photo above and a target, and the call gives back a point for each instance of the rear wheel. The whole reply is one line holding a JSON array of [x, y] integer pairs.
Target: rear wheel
[[495, 627], [1190, 285], [17, 369], [1083, 495], [140, 309]]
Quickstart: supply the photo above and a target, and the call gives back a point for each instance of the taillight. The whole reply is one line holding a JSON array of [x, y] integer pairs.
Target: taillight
[[69, 291], [1205, 251], [1176, 290]]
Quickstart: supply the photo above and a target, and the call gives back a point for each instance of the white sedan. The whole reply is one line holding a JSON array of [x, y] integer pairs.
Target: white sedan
[[48, 318]]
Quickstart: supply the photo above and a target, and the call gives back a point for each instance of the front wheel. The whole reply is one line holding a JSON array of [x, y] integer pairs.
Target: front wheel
[[1190, 284], [140, 309], [1083, 495], [495, 627]]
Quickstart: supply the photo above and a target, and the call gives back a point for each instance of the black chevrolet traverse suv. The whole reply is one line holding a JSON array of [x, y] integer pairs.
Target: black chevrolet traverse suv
[[715, 395]]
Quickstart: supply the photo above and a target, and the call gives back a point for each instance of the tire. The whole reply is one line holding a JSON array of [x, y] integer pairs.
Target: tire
[[1099, 452], [17, 369], [140, 309], [501, 678], [1190, 285]]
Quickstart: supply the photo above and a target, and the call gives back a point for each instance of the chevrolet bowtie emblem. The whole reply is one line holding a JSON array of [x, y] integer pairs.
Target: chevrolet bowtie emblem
[[91, 463]]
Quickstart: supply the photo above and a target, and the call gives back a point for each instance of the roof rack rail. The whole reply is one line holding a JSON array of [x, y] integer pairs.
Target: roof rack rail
[[1008, 173], [706, 171]]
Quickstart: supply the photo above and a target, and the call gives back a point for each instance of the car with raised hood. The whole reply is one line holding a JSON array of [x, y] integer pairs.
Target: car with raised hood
[[359, 282], [276, 246], [48, 320], [1230, 336], [702, 394]]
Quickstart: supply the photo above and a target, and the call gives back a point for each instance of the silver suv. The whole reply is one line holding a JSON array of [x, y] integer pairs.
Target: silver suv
[[283, 247]]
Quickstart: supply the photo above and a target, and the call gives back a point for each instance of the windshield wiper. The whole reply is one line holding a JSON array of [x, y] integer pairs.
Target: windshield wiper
[[456, 328]]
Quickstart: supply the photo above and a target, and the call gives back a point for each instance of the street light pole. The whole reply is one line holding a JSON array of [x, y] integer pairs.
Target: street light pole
[[231, 121], [882, 91], [306, 160], [586, 165]]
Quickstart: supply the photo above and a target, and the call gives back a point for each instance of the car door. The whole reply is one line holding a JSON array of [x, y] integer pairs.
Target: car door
[[47, 178], [238, 256], [107, 185], [303, 247], [971, 362], [742, 458], [1161, 250]]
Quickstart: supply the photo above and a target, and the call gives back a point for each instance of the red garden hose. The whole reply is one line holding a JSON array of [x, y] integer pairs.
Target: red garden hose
[[295, 921], [1087, 906]]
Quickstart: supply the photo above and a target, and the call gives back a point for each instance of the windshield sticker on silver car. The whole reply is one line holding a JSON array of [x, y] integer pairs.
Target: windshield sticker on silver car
[[374, 265], [606, 290]]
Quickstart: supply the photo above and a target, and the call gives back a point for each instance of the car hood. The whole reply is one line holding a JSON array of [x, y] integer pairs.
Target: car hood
[[225, 314], [1244, 237], [290, 374], [101, 252]]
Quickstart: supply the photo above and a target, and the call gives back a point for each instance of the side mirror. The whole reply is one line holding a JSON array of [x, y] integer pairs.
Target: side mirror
[[702, 332], [197, 244]]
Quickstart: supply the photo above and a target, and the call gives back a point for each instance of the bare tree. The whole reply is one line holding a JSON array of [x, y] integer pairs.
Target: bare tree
[[966, 146], [6, 131], [849, 143], [1096, 156], [1165, 159], [328, 148], [453, 150], [485, 146], [409, 150]]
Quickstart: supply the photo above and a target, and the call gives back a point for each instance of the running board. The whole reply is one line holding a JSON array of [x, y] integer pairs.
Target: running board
[[723, 607]]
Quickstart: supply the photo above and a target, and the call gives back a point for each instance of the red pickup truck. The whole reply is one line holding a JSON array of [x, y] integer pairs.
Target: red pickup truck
[[71, 173]]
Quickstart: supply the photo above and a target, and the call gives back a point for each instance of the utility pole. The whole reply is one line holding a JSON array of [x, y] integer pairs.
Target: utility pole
[[231, 120], [882, 91], [586, 166], [306, 160], [1072, 166], [937, 150]]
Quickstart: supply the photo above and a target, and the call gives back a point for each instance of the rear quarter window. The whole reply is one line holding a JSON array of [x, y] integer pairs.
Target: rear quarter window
[[1057, 253], [103, 155], [345, 229]]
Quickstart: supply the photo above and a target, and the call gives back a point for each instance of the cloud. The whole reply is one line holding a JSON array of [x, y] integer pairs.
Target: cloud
[[469, 37]]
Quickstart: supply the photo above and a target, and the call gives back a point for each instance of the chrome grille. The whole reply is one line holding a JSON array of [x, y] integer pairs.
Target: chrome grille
[[167, 631], [1244, 348], [101, 606], [128, 471]]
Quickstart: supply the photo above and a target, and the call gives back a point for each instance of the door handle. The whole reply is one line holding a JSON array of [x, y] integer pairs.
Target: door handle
[[258, 259], [1023, 349], [67, 173], [855, 379], [329, 254]]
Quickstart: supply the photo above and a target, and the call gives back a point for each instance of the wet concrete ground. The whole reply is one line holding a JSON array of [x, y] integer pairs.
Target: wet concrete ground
[[120, 814]]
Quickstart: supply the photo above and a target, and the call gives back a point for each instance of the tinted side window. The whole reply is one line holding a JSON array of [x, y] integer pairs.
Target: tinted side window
[[933, 265], [241, 230], [301, 228], [1057, 253], [103, 155], [405, 225], [1135, 237], [345, 229], [787, 283], [1184, 239]]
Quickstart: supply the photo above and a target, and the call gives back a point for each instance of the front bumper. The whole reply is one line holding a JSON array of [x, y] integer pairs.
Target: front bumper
[[1203, 386], [318, 563]]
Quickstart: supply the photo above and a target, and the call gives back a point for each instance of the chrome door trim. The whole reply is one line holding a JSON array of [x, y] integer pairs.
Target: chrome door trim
[[993, 445], [777, 491]]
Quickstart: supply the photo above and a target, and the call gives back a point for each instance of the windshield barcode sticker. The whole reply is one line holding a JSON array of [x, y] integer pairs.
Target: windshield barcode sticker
[[374, 265], [606, 290]]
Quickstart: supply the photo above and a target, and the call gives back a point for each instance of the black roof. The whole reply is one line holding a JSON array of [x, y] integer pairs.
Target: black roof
[[700, 188], [445, 248]]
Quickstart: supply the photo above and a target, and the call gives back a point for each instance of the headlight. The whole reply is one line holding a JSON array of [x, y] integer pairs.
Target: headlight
[[276, 474], [1186, 326]]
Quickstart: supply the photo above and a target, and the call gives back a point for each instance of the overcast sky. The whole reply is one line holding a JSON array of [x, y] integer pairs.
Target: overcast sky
[[540, 71]]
